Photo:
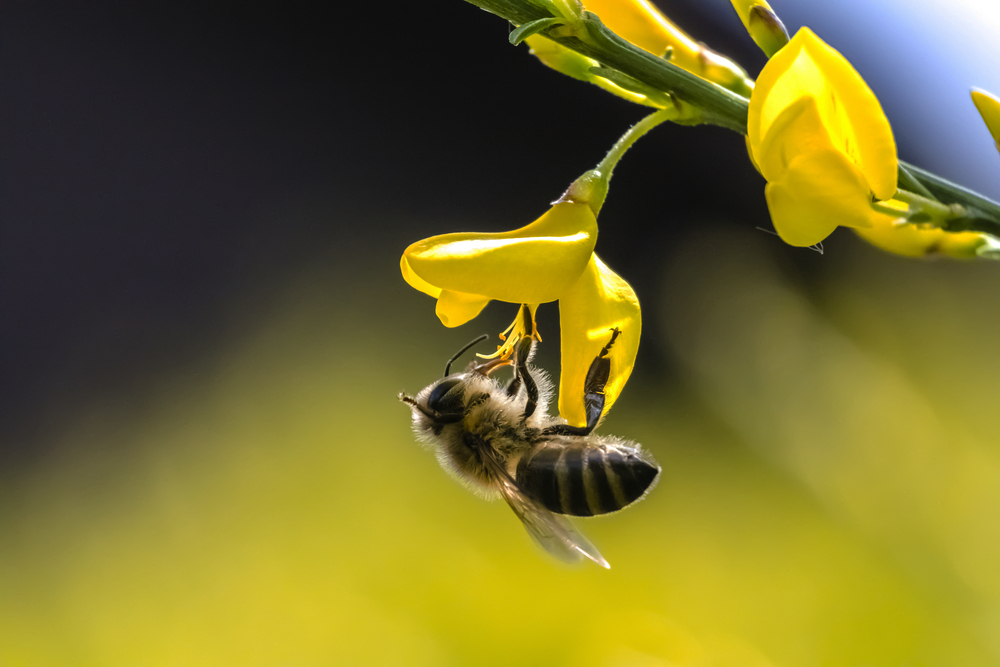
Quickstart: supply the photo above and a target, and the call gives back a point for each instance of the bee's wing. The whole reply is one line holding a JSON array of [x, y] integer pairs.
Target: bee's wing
[[553, 533]]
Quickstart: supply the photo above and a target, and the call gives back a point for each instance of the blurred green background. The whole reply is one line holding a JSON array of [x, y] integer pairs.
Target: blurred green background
[[203, 458]]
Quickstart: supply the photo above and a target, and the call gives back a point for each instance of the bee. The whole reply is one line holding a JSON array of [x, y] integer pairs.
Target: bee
[[499, 440]]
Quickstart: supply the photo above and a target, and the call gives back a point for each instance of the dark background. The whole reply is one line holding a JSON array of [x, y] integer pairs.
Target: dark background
[[167, 166], [151, 150]]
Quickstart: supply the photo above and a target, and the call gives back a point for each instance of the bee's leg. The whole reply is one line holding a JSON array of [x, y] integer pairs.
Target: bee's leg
[[521, 375], [517, 359], [593, 393]]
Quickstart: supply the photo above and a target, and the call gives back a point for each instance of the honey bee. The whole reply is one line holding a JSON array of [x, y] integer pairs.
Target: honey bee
[[499, 440]]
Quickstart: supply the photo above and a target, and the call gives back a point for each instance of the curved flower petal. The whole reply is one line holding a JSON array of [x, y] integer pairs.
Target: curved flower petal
[[456, 308], [599, 302], [533, 264], [415, 281], [848, 110], [819, 191]]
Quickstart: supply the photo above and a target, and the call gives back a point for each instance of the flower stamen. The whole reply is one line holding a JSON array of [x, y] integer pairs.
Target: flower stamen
[[523, 325]]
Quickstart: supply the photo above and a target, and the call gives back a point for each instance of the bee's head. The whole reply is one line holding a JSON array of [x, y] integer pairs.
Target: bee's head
[[444, 401], [441, 403]]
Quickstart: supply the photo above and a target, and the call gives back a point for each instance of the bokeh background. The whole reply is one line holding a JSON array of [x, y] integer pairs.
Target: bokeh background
[[202, 458]]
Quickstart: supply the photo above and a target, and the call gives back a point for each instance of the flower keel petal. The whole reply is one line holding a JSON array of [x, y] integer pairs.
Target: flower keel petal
[[597, 303], [819, 192]]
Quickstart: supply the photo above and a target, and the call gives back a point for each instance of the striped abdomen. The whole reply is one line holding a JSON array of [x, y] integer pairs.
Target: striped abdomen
[[583, 478]]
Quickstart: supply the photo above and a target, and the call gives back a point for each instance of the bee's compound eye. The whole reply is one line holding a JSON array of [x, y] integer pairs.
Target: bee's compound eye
[[437, 400]]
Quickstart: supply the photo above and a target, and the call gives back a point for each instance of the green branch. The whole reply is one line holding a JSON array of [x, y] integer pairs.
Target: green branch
[[721, 106], [981, 214]]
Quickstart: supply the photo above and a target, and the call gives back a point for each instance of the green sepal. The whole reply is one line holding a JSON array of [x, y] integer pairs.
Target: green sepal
[[907, 181], [530, 28]]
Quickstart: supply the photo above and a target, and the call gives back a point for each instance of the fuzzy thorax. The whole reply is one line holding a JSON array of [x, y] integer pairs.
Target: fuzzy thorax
[[491, 418]]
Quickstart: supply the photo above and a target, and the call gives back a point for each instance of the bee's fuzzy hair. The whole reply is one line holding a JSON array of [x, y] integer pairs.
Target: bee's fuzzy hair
[[500, 411]]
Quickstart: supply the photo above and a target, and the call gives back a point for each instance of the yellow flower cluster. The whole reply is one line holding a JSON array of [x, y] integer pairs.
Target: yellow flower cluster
[[815, 131], [818, 134]]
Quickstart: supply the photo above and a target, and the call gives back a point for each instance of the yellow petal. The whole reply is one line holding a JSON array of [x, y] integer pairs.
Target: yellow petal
[[819, 191], [797, 131], [456, 308], [848, 110], [533, 264], [989, 108], [753, 160], [415, 281], [913, 241], [642, 23], [598, 302]]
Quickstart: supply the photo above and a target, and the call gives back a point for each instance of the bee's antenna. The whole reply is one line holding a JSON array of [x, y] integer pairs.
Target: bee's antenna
[[447, 368]]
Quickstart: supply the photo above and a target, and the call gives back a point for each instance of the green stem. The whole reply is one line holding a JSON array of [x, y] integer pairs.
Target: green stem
[[607, 165], [923, 209], [882, 207], [907, 181], [981, 214], [721, 106], [592, 187]]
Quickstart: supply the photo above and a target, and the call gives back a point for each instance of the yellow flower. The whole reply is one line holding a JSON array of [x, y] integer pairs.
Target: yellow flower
[[896, 236], [642, 24], [534, 264], [550, 259], [819, 136], [989, 108]]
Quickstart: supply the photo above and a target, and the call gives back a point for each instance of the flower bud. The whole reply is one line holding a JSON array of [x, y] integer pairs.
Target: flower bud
[[989, 108], [766, 29]]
